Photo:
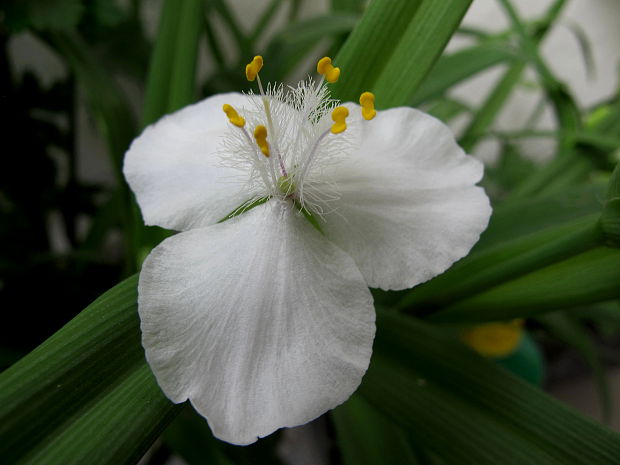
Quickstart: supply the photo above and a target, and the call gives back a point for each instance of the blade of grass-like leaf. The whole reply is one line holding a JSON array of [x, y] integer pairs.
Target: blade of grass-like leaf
[[185, 55], [447, 109], [190, 437], [351, 6], [424, 40], [567, 113], [585, 48], [458, 66], [85, 395], [394, 46], [532, 214], [590, 277], [514, 232], [366, 437], [469, 411], [495, 101], [486, 114], [503, 263], [117, 429], [158, 81], [574, 335], [557, 167], [574, 175]]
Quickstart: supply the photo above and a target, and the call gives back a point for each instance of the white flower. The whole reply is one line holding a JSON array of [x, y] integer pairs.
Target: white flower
[[262, 321]]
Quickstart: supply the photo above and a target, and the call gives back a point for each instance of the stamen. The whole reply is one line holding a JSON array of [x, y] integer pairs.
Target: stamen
[[367, 101], [252, 68], [339, 116], [325, 68], [251, 72], [260, 134], [233, 116]]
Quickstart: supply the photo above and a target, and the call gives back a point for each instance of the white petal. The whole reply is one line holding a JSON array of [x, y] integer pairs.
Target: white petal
[[409, 207], [175, 172], [260, 321]]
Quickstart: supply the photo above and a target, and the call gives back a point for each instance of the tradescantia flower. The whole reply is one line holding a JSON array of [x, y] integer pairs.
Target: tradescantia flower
[[289, 207]]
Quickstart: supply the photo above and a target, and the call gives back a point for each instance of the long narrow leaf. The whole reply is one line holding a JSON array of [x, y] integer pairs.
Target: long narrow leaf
[[458, 66], [394, 46], [366, 437], [469, 411], [85, 395], [590, 277]]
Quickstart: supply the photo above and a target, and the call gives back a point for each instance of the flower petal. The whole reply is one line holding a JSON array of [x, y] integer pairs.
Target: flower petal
[[175, 171], [260, 321], [409, 207]]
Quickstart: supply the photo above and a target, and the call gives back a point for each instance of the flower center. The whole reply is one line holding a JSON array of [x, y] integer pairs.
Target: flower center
[[294, 136]]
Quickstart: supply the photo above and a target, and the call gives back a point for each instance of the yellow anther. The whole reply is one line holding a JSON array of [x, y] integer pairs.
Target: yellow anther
[[253, 67], [260, 134], [325, 68], [367, 101], [339, 116], [233, 116]]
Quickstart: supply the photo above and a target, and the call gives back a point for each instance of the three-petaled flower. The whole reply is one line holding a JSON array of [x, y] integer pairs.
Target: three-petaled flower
[[258, 310]]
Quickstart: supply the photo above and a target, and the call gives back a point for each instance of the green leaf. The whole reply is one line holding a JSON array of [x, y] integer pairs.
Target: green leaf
[[521, 236], [532, 214], [574, 335], [458, 66], [613, 190], [183, 72], [585, 48], [162, 59], [86, 394], [447, 109], [496, 100], [393, 48], [366, 437], [503, 263], [566, 110], [469, 411], [486, 114], [610, 222], [190, 437], [590, 277], [172, 73], [352, 6]]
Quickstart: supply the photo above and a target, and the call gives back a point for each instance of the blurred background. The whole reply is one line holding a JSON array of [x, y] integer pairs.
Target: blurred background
[[73, 73]]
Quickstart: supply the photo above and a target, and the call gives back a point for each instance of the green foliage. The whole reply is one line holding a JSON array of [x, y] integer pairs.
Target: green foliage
[[389, 37], [366, 437], [85, 389], [469, 411]]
